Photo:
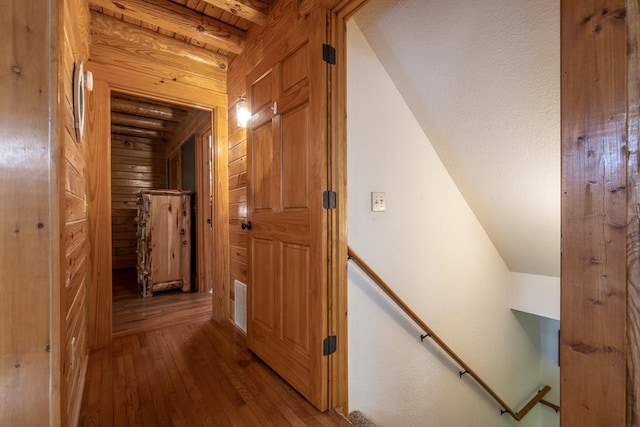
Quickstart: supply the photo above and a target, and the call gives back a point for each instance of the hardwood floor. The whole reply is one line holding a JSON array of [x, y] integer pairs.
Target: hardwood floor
[[132, 313], [198, 373]]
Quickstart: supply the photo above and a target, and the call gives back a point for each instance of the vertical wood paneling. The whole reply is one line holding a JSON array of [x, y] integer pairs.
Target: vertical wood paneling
[[594, 218], [30, 239]]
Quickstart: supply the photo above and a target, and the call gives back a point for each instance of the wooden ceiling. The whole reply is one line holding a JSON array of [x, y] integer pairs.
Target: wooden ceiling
[[217, 26]]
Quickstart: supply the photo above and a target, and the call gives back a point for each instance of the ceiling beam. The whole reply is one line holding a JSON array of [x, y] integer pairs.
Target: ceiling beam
[[137, 121], [133, 131], [140, 108], [252, 10], [180, 19], [115, 28]]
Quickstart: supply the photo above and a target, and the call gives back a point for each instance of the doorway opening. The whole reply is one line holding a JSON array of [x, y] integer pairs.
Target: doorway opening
[[158, 146]]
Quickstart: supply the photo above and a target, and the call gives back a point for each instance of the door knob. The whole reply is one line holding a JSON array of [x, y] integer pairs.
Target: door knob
[[246, 225]]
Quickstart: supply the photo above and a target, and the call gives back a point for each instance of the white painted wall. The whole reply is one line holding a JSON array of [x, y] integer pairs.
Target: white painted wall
[[532, 293], [549, 369], [483, 80], [431, 248]]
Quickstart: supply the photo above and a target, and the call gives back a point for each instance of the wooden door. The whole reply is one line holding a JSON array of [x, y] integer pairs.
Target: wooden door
[[287, 174]]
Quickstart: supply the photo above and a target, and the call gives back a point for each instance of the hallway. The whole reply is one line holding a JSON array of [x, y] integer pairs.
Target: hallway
[[197, 374]]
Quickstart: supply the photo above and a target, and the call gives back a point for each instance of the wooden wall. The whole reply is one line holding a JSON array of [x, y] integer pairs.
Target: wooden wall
[[133, 60], [136, 163], [29, 217], [75, 244], [238, 238], [44, 261]]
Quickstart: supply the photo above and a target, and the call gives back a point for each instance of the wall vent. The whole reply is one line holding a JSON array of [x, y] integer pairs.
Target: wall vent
[[240, 317]]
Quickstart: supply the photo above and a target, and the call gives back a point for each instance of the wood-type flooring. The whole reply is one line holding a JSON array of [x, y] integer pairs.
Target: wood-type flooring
[[133, 313], [198, 373]]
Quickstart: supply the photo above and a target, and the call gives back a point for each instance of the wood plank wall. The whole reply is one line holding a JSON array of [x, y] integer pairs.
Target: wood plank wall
[[132, 60], [136, 163], [259, 41], [75, 47], [29, 217], [238, 239]]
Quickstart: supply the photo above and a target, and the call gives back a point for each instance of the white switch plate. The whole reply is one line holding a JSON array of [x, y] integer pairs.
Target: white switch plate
[[378, 202]]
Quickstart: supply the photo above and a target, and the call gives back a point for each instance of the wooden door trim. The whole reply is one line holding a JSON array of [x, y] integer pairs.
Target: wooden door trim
[[338, 280], [108, 79], [204, 248]]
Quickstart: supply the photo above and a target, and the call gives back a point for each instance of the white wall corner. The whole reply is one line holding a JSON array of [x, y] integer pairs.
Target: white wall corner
[[535, 294]]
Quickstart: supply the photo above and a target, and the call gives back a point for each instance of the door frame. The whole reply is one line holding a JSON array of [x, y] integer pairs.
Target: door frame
[[204, 207], [106, 80], [340, 11]]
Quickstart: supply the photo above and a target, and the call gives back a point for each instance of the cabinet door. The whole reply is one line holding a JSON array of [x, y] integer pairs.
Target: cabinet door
[[170, 239]]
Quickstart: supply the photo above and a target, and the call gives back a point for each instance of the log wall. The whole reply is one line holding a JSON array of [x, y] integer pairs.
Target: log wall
[[136, 164], [131, 60], [75, 246]]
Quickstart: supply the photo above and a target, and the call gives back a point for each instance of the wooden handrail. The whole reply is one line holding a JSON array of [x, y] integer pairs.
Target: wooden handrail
[[466, 369], [550, 405]]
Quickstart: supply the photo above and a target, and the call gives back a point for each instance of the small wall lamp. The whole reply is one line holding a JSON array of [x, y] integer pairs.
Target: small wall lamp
[[242, 113]]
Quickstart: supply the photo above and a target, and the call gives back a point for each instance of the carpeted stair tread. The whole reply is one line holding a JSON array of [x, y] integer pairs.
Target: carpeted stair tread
[[358, 419]]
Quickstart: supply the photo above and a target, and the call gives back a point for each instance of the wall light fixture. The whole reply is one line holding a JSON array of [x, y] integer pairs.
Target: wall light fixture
[[242, 112]]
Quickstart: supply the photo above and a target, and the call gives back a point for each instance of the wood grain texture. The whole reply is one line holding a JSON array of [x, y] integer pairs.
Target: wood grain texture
[[145, 109], [633, 217], [594, 215], [204, 208], [221, 218], [196, 374], [174, 17], [135, 82], [164, 240], [30, 244], [74, 265], [104, 29], [251, 10], [286, 152], [133, 314], [127, 154], [99, 179], [338, 280]]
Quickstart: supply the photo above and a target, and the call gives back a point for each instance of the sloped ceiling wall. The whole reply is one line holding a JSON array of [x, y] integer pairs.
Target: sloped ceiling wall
[[482, 78]]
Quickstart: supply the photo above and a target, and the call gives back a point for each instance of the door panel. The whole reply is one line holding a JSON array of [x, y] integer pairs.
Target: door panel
[[295, 312], [261, 169], [295, 159], [265, 300], [287, 174]]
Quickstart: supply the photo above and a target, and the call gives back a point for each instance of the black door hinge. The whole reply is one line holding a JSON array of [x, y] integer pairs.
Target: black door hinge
[[329, 199], [329, 345], [329, 54]]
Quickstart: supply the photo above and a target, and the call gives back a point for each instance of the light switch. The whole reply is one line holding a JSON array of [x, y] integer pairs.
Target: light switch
[[378, 203]]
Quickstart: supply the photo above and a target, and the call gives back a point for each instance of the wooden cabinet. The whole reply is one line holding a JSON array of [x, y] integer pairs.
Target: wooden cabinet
[[164, 240]]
